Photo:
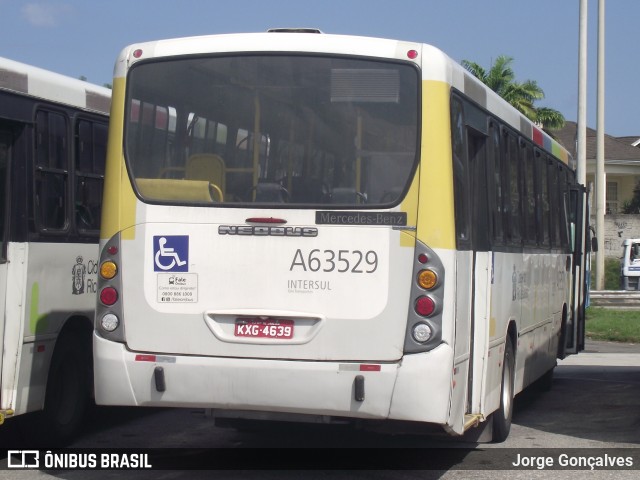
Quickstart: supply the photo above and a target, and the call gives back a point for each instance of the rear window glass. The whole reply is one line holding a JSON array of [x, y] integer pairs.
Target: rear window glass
[[309, 131]]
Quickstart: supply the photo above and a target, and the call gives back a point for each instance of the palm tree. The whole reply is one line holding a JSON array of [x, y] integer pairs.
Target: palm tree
[[501, 79], [549, 118]]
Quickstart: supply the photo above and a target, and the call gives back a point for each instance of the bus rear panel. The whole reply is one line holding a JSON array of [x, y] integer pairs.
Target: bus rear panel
[[270, 262]]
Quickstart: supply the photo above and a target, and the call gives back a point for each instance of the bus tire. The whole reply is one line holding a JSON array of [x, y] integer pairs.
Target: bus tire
[[68, 389], [501, 418]]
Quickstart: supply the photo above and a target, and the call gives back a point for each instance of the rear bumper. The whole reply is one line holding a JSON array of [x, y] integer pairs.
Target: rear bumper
[[417, 388]]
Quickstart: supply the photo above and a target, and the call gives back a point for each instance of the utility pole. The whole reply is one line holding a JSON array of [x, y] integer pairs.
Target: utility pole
[[581, 149], [601, 185]]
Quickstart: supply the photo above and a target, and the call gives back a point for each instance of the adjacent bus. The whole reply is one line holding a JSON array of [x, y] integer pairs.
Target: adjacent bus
[[53, 135], [310, 227]]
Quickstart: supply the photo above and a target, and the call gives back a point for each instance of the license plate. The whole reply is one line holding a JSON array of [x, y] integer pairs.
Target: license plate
[[261, 328]]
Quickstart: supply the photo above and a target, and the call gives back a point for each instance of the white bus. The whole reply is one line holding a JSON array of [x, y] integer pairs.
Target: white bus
[[311, 227], [53, 132]]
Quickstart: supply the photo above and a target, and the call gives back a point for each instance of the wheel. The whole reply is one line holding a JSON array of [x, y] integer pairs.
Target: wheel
[[68, 389], [502, 417]]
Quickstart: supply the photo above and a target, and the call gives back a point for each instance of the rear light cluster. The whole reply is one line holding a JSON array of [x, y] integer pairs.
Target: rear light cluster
[[427, 279], [424, 328], [108, 311], [108, 294]]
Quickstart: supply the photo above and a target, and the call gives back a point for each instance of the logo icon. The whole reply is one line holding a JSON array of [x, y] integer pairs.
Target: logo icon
[[171, 253], [78, 273], [23, 459]]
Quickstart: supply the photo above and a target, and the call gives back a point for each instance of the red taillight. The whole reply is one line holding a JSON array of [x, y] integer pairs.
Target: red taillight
[[425, 306], [412, 54], [366, 367], [145, 358], [422, 258], [108, 296], [112, 250]]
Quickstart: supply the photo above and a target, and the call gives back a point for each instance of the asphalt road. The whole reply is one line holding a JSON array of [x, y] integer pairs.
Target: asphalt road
[[593, 405]]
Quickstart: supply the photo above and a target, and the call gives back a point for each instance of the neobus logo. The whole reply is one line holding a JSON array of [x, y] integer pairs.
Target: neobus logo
[[261, 231]]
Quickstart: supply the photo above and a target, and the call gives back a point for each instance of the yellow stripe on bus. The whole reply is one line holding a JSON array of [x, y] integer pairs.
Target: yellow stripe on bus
[[436, 224], [118, 194]]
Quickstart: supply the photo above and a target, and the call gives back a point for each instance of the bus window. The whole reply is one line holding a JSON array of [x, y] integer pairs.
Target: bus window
[[529, 194], [318, 130], [51, 171], [91, 150], [460, 174], [512, 166], [554, 213], [543, 206], [497, 209]]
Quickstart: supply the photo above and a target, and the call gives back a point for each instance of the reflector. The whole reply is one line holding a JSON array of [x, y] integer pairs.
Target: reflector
[[108, 296], [425, 306], [110, 322], [108, 270], [427, 279], [422, 332]]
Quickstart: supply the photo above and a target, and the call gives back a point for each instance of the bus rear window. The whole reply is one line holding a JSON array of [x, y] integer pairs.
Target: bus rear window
[[313, 131]]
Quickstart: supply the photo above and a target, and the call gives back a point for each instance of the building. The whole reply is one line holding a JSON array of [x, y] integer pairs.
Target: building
[[622, 174]]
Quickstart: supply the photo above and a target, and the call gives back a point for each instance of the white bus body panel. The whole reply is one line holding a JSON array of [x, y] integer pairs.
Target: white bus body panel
[[531, 290], [410, 390], [45, 290], [13, 314], [233, 275]]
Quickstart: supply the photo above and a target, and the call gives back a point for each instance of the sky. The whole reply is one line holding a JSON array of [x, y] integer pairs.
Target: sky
[[82, 38]]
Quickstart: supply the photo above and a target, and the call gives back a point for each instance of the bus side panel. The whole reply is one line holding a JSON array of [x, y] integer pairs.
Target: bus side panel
[[60, 284], [31, 384], [3, 293], [464, 297], [17, 254], [423, 386], [483, 330], [530, 290]]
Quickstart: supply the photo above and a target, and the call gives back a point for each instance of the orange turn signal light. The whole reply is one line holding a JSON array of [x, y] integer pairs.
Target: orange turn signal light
[[108, 270], [427, 279]]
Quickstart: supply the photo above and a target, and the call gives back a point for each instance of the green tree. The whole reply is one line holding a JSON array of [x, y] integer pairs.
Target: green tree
[[522, 95]]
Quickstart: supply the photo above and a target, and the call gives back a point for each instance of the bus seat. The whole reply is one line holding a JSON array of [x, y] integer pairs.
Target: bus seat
[[207, 166], [177, 190], [270, 192]]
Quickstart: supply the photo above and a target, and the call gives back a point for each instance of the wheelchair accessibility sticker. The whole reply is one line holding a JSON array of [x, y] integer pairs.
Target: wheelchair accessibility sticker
[[171, 253]]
